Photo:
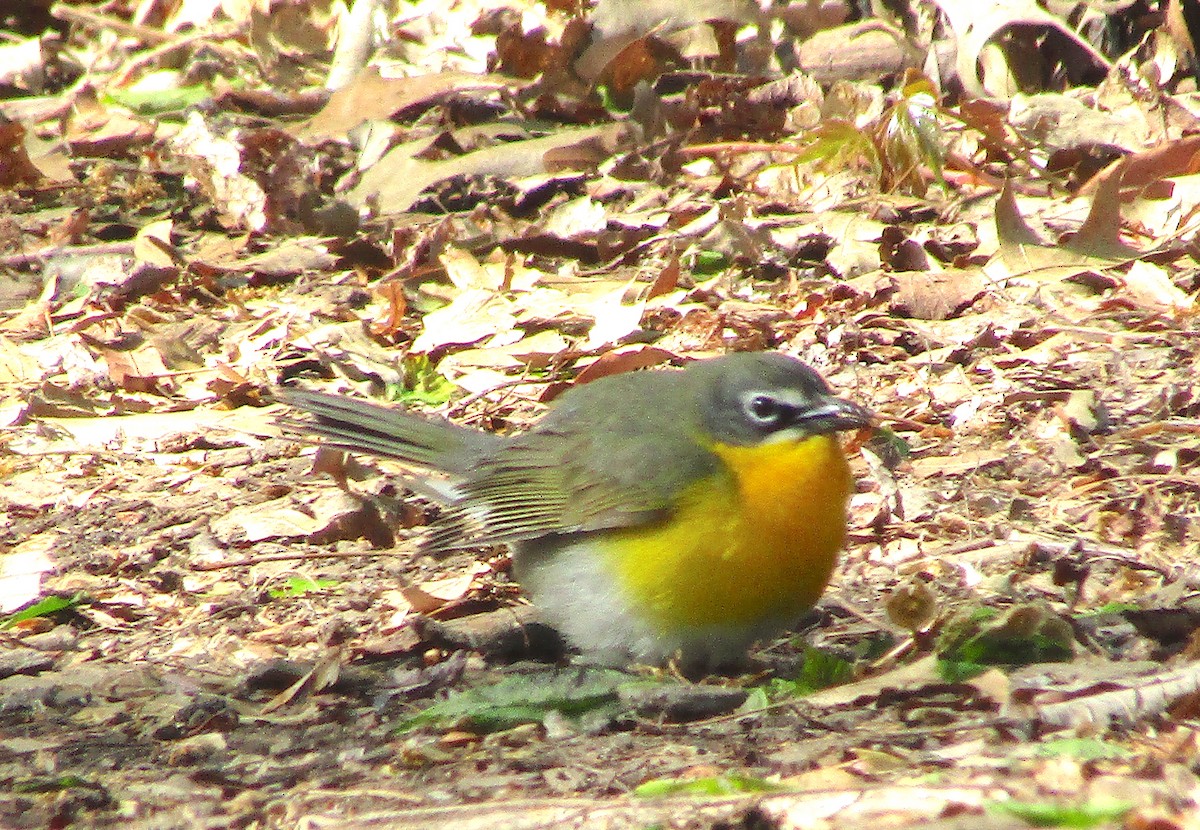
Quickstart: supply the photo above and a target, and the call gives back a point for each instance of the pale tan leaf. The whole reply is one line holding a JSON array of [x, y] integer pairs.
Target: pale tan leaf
[[23, 567]]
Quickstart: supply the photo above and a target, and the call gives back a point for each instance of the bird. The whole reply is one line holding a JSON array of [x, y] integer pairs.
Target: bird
[[667, 516]]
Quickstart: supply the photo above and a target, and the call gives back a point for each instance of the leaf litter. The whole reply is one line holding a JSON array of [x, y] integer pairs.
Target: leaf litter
[[995, 252]]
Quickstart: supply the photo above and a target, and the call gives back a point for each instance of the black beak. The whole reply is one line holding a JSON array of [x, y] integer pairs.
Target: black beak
[[836, 415]]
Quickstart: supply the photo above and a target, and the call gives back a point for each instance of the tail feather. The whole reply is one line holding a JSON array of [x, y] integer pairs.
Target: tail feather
[[361, 426]]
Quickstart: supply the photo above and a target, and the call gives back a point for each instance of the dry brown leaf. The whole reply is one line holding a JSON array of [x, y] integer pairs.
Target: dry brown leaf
[[914, 805], [216, 163], [293, 255], [908, 677], [433, 595], [15, 167], [644, 16], [959, 463], [1141, 169], [475, 314], [275, 519], [1143, 697], [1061, 122], [978, 28], [1097, 245], [396, 181], [96, 130], [371, 97], [866, 51], [324, 673], [136, 370], [1150, 286], [152, 244], [625, 359], [936, 296]]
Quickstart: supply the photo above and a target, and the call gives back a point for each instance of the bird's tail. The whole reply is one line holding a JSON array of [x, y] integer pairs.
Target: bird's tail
[[361, 426]]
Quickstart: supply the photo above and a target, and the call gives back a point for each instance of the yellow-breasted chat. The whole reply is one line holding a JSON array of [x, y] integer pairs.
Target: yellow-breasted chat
[[652, 515]]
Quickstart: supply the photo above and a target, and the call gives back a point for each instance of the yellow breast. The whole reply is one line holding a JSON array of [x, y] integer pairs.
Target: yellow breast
[[756, 544]]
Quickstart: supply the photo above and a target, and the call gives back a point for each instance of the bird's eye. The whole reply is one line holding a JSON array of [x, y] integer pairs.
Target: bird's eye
[[765, 410]]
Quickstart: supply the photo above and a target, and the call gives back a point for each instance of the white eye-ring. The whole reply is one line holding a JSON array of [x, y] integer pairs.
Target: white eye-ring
[[764, 410]]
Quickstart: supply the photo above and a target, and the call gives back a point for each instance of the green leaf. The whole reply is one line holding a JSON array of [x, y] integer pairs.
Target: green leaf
[[837, 143], [42, 608], [1108, 608], [913, 136], [527, 699], [1081, 749], [823, 669], [1048, 814], [50, 785], [890, 447], [958, 671], [298, 586], [711, 786], [423, 384], [873, 646], [709, 262], [159, 91], [1023, 635], [756, 700], [152, 102], [820, 670]]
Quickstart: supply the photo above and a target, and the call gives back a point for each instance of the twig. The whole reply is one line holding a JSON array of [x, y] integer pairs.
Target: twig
[[92, 20], [287, 557], [23, 260]]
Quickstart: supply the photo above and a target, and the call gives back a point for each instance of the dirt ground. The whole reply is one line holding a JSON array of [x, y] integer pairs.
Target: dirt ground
[[184, 692], [205, 623]]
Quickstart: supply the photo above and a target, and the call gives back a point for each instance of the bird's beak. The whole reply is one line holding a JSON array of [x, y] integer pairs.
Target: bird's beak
[[837, 415]]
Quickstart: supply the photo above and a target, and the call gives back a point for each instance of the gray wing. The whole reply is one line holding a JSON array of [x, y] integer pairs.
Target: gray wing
[[579, 469]]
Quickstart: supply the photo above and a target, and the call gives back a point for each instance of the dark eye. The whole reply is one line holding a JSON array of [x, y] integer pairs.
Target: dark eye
[[765, 410]]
